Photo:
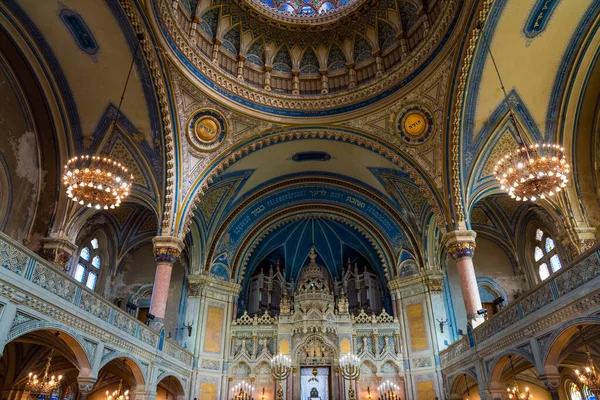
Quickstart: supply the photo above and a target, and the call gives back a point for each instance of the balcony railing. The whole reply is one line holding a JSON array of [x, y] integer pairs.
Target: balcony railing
[[25, 265], [582, 272]]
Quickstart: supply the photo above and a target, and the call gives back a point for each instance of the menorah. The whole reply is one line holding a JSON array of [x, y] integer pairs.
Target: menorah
[[281, 366], [387, 391], [350, 368], [242, 391]]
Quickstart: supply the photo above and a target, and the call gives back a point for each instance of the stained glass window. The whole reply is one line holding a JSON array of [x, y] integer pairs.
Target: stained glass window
[[79, 272], [549, 244], [538, 253], [545, 253], [574, 392], [88, 271], [543, 270], [91, 280], [555, 263], [85, 254], [538, 235]]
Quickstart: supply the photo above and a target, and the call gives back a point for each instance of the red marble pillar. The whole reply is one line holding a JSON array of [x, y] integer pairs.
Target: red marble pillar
[[461, 247], [166, 251]]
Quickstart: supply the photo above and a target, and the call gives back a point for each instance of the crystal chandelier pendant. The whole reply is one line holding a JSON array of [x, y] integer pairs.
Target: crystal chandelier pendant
[[48, 383], [533, 172], [590, 375], [97, 182]]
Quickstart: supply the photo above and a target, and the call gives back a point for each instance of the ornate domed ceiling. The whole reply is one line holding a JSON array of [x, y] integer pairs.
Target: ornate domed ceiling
[[318, 57]]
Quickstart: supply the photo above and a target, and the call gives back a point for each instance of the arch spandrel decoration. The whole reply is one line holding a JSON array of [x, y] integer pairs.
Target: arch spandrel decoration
[[233, 155]]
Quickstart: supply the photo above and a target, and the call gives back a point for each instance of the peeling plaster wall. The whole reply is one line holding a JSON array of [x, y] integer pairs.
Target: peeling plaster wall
[[139, 270], [20, 152]]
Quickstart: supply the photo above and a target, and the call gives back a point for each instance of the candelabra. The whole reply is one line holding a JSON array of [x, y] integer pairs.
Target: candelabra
[[387, 391], [243, 391], [48, 383], [281, 366], [590, 376], [350, 368], [515, 392]]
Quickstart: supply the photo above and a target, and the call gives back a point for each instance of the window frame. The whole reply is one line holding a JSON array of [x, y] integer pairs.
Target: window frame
[[546, 255], [88, 265]]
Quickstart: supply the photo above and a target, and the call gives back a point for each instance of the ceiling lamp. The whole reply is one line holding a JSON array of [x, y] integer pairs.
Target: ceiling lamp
[[46, 384], [533, 171], [589, 376], [97, 181], [515, 393]]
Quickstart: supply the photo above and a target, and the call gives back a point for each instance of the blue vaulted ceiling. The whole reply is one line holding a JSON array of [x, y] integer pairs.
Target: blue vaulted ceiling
[[291, 244]]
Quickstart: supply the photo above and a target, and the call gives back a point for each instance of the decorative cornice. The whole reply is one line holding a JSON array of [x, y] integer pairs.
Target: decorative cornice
[[456, 188], [196, 283]]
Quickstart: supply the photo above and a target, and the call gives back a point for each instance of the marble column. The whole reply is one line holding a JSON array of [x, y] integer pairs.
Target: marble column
[[461, 247], [6, 320], [166, 251]]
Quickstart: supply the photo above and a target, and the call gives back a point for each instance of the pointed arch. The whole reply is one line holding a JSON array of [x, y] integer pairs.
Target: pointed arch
[[231, 39], [386, 35], [336, 59], [309, 64], [256, 52], [282, 61], [363, 51]]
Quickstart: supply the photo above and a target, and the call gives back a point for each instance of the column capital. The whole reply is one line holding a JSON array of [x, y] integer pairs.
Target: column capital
[[58, 250], [86, 384], [551, 381], [578, 240], [167, 249], [460, 244]]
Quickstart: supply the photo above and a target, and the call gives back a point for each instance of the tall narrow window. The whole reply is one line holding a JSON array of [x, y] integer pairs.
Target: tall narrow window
[[545, 255], [88, 268]]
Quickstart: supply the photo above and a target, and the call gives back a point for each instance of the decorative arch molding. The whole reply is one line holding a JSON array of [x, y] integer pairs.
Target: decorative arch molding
[[299, 345], [254, 238], [560, 337], [142, 291], [492, 286], [83, 353], [455, 379], [180, 381], [496, 365], [235, 154], [133, 363]]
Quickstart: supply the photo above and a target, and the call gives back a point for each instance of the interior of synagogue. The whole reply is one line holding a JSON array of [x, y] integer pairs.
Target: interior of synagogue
[[299, 199]]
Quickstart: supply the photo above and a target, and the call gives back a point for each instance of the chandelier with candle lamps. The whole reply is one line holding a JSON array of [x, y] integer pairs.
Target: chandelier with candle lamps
[[515, 393], [118, 394], [533, 171], [95, 180], [388, 391], [44, 384], [590, 375]]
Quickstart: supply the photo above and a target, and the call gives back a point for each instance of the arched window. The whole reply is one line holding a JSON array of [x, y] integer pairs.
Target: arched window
[[545, 255], [573, 391], [89, 264]]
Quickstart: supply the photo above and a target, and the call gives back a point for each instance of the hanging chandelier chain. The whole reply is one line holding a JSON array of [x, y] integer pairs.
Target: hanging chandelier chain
[[510, 110], [140, 37]]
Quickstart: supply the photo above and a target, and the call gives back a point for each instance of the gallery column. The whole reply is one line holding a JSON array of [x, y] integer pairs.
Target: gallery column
[[461, 247], [167, 250]]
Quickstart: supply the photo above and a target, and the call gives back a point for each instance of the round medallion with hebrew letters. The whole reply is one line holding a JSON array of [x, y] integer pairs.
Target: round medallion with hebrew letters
[[414, 124], [206, 129]]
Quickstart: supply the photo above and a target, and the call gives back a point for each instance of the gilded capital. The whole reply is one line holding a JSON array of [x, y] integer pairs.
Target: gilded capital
[[460, 244], [167, 249]]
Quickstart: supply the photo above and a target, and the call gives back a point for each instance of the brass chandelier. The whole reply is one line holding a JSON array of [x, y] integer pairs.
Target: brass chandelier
[[534, 171], [514, 392], [44, 384], [589, 376], [118, 394], [97, 181]]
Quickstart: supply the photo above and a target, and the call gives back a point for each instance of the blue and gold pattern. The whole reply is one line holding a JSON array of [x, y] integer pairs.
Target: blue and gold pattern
[[414, 124], [539, 17], [206, 129]]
